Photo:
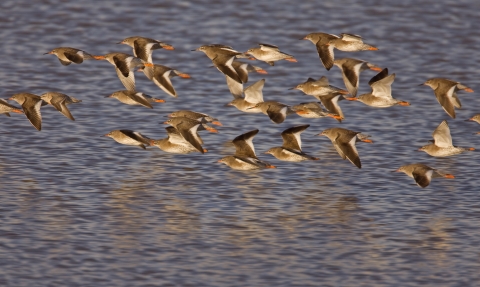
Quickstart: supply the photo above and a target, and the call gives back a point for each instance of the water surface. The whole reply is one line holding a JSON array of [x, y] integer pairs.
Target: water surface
[[79, 209]]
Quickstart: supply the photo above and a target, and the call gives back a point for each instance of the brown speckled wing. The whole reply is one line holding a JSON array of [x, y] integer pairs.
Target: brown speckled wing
[[350, 151], [65, 63], [162, 80], [31, 108], [74, 57], [330, 102], [188, 132], [122, 66], [326, 55], [422, 176], [61, 106], [139, 98], [128, 82], [136, 136], [224, 64], [446, 103], [277, 114], [244, 144], [291, 137], [140, 50]]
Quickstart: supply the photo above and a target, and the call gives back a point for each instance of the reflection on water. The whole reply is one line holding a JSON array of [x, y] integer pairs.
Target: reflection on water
[[78, 209]]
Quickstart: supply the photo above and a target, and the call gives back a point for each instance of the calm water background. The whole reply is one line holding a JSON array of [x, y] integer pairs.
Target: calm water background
[[78, 209]]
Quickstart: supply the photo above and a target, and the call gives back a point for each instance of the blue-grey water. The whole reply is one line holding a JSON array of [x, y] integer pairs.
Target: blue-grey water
[[79, 209]]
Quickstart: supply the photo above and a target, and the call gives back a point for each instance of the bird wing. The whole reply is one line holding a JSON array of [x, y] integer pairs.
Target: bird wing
[[254, 92], [277, 113], [422, 175], [121, 65], [268, 47], [143, 49], [291, 137], [65, 63], [330, 102], [74, 57], [141, 99], [31, 108], [351, 37], [242, 71], [189, 133], [441, 135], [174, 136], [61, 106], [162, 80], [236, 88], [337, 147], [322, 82], [449, 88], [123, 72], [445, 98], [456, 101], [128, 82], [244, 144], [382, 84], [149, 71], [349, 150], [350, 77], [325, 52], [136, 136], [224, 64]]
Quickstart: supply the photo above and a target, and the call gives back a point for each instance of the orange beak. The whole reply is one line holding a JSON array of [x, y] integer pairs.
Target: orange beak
[[99, 57]]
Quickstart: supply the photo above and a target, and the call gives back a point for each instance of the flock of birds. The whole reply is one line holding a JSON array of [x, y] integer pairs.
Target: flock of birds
[[184, 125]]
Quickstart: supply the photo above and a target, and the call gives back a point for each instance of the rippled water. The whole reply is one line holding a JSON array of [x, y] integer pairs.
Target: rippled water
[[79, 209]]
